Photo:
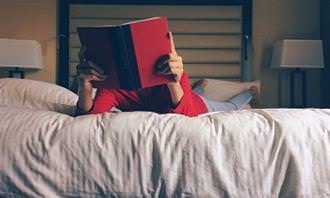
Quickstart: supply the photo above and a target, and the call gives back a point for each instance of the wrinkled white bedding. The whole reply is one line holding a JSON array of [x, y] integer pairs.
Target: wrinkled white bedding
[[249, 153]]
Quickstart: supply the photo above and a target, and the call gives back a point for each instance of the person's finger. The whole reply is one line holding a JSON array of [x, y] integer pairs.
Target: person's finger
[[165, 70], [91, 65], [173, 50], [89, 71], [175, 64], [84, 70], [94, 72], [96, 67], [97, 78], [84, 77], [81, 54], [177, 73], [87, 66], [90, 77], [176, 70], [174, 57], [163, 66], [174, 73], [166, 61], [161, 63], [84, 67], [97, 74]]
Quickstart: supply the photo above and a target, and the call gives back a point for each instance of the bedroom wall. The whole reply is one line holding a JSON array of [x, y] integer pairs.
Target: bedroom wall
[[32, 19], [278, 19]]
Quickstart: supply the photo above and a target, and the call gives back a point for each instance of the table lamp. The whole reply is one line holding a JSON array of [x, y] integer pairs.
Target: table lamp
[[297, 55], [20, 55]]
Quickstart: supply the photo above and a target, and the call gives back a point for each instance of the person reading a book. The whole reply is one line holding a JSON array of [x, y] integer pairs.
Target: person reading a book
[[174, 97]]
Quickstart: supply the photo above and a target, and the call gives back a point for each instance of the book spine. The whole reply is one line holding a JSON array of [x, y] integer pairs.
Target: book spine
[[131, 58], [124, 67], [117, 57]]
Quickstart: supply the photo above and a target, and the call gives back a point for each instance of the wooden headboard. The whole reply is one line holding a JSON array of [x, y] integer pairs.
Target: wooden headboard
[[213, 37]]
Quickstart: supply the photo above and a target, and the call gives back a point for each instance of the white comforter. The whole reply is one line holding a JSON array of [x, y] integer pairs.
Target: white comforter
[[250, 153]]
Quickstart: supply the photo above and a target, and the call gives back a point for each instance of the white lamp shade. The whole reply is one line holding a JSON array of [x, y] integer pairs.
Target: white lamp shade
[[292, 53], [20, 53]]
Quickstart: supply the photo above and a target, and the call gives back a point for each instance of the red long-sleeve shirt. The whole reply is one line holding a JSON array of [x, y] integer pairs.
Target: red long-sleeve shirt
[[156, 99]]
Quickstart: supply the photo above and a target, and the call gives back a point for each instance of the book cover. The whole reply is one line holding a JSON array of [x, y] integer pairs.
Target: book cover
[[128, 52]]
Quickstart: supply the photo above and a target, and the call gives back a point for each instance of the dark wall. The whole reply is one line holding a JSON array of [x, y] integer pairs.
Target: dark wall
[[325, 35]]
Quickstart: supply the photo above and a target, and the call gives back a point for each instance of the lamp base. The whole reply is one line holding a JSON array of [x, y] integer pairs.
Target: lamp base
[[298, 88], [12, 73]]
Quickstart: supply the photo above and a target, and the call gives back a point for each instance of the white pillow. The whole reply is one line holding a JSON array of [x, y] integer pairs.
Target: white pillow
[[36, 95], [222, 90]]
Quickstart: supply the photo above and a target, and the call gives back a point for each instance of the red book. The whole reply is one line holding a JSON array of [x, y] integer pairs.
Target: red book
[[128, 52]]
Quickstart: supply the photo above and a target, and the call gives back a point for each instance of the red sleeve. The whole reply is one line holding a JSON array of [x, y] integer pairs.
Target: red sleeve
[[104, 100], [190, 104]]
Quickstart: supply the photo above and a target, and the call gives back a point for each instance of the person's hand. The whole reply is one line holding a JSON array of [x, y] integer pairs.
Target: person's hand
[[171, 64], [87, 70]]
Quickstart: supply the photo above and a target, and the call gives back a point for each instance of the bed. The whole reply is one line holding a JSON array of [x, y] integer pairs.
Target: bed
[[46, 152], [260, 153]]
